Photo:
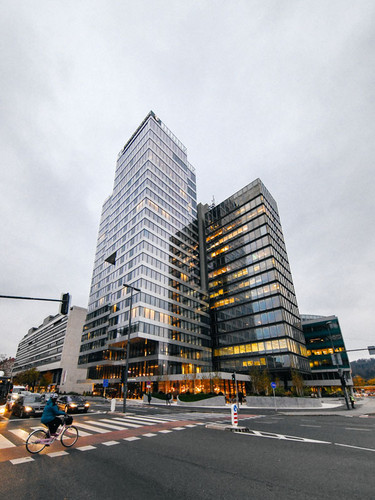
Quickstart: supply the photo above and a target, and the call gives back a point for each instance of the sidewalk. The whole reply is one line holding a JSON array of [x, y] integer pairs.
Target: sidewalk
[[363, 407]]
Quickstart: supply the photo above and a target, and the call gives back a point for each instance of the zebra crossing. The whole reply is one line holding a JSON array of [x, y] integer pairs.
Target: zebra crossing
[[88, 427]]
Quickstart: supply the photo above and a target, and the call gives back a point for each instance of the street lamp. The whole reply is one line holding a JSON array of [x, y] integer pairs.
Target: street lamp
[[125, 375]]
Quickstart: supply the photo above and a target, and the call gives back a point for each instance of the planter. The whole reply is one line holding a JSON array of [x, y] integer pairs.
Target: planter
[[282, 402], [215, 401]]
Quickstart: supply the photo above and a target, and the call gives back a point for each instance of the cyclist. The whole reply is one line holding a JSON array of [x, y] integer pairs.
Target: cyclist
[[50, 415]]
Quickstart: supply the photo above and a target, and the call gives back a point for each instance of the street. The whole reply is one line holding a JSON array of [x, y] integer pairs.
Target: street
[[162, 452]]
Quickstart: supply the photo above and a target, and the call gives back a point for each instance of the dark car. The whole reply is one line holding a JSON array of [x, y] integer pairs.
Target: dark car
[[28, 405], [73, 404]]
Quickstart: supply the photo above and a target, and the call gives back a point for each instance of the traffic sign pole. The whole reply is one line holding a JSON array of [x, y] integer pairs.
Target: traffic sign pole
[[273, 385]]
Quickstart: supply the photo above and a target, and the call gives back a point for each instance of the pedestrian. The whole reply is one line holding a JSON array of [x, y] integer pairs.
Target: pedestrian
[[149, 397], [352, 400]]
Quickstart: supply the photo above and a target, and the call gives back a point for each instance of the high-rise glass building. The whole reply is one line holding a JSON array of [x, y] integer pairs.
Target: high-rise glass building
[[254, 314], [148, 238], [216, 292]]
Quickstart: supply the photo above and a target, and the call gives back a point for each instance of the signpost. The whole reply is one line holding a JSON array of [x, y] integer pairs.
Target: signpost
[[105, 385], [273, 385]]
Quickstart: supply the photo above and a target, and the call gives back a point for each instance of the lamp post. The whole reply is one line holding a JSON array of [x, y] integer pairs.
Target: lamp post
[[125, 374]]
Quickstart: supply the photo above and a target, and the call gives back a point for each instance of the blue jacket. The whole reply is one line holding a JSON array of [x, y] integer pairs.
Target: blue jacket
[[50, 411]]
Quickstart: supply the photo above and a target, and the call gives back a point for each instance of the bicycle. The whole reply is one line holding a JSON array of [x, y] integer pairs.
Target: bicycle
[[39, 439]]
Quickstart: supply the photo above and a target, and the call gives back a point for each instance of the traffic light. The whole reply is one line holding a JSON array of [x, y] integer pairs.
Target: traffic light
[[65, 300], [234, 377]]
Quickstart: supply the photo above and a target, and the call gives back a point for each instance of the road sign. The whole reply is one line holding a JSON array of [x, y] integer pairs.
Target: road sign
[[273, 385], [105, 382], [371, 349]]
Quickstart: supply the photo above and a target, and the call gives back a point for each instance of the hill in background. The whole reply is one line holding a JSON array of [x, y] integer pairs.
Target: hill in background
[[365, 368]]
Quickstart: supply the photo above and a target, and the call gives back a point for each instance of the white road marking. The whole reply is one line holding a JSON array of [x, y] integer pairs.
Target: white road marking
[[20, 433], [17, 461], [165, 431], [5, 443], [149, 434], [86, 448], [111, 443], [128, 424], [307, 425], [133, 438], [82, 433], [190, 425], [57, 454], [117, 422], [357, 429], [138, 420], [157, 420], [355, 447], [104, 424], [91, 428], [272, 435], [178, 428]]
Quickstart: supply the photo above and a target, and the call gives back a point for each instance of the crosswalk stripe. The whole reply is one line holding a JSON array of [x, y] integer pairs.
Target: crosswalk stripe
[[178, 428], [104, 424], [165, 431], [82, 433], [132, 438], [139, 420], [117, 422], [110, 443], [149, 434], [86, 448], [20, 433], [157, 420], [129, 424], [5, 443], [90, 427]]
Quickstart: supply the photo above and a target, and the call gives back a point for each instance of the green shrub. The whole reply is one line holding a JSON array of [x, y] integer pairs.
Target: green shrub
[[190, 398], [159, 395]]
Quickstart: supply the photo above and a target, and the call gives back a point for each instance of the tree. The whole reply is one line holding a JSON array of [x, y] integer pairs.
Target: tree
[[357, 380], [260, 379], [6, 364], [29, 377], [297, 382]]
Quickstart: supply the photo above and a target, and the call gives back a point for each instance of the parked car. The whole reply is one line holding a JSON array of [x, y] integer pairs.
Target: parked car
[[28, 405], [73, 404]]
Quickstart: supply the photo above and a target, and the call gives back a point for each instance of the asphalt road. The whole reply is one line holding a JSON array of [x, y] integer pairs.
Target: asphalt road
[[168, 453]]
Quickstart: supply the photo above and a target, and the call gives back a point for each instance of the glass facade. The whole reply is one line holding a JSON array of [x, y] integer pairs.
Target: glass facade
[[148, 238], [325, 349], [254, 314]]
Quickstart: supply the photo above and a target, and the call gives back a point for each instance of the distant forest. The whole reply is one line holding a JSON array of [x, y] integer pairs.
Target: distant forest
[[365, 368]]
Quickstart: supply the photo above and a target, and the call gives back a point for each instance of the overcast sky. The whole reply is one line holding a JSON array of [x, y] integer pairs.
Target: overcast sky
[[280, 90]]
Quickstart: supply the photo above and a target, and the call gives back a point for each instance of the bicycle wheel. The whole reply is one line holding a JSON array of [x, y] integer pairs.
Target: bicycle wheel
[[69, 436], [36, 441]]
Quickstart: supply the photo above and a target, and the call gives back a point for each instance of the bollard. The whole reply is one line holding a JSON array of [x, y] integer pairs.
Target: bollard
[[234, 415], [113, 405]]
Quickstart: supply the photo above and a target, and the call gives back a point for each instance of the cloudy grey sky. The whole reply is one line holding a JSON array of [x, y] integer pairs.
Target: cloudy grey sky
[[281, 90]]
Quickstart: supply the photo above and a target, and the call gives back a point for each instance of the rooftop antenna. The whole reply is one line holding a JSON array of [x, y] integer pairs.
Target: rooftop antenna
[[213, 204]]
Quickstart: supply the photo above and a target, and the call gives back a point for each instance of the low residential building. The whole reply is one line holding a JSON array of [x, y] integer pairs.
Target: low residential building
[[53, 348], [326, 351]]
